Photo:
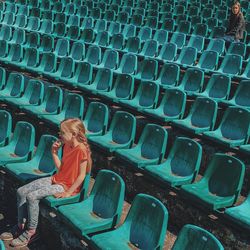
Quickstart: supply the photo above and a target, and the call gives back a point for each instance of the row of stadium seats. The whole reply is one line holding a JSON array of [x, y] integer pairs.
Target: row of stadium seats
[[169, 171]]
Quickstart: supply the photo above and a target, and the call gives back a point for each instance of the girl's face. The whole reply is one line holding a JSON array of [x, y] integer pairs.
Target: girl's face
[[65, 135], [235, 9]]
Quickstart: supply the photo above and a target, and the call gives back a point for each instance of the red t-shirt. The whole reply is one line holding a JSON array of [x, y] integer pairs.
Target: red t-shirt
[[70, 167]]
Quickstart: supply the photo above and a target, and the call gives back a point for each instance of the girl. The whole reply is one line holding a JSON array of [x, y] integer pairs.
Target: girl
[[76, 163], [236, 24]]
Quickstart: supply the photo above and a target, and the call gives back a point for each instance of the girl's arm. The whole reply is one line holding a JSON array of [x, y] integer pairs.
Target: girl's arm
[[54, 150], [76, 184]]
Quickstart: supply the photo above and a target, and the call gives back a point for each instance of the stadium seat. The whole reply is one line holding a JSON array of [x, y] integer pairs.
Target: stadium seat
[[145, 33], [2, 76], [187, 57], [120, 134], [240, 214], [161, 36], [4, 49], [46, 27], [193, 237], [218, 31], [5, 127], [110, 59], [32, 40], [52, 103], [217, 45], [59, 30], [87, 36], [73, 20], [15, 54], [101, 210], [73, 33], [33, 94], [87, 23], [100, 26], [41, 165], [221, 183], [182, 164], [149, 150], [114, 28], [246, 73], [128, 64], [138, 225], [168, 24], [21, 145], [179, 39], [20, 21], [73, 107], [93, 55], [237, 48], [6, 33], [150, 48], [218, 87], [61, 48], [96, 119], [192, 81], [196, 42], [14, 86], [200, 29], [133, 45], [184, 27], [117, 42], [231, 65], [30, 60], [47, 63], [169, 75], [77, 51], [208, 61], [172, 106], [233, 130], [201, 117], [122, 17], [146, 96], [33, 24], [147, 70]]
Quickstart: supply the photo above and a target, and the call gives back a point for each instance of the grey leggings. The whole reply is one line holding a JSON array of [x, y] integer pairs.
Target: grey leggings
[[28, 197]]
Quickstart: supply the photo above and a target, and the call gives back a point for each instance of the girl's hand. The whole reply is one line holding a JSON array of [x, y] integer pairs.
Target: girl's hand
[[62, 195], [55, 147]]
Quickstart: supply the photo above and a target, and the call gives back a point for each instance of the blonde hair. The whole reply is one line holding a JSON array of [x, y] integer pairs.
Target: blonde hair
[[236, 3], [75, 125]]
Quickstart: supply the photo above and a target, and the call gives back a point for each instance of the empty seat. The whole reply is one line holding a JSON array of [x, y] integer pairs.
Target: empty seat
[[73, 33], [129, 30], [93, 55], [5, 127], [161, 36], [192, 81], [231, 65], [201, 117], [187, 56], [179, 39], [182, 164], [62, 47], [47, 63], [33, 24], [168, 24], [100, 26], [59, 29], [110, 59], [47, 44], [150, 48], [241, 96], [217, 45], [6, 33], [133, 45], [46, 27], [149, 149], [246, 73], [102, 39], [184, 27], [233, 129], [128, 64], [30, 60], [237, 48], [218, 31], [220, 185], [114, 28], [200, 29], [168, 52], [77, 51], [96, 119], [145, 33], [147, 70], [21, 145], [196, 42], [120, 134], [87, 23], [139, 216], [192, 236], [172, 106], [20, 21], [218, 87], [117, 42], [208, 61], [72, 108]]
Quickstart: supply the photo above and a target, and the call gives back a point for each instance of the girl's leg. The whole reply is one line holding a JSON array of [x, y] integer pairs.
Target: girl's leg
[[22, 193]]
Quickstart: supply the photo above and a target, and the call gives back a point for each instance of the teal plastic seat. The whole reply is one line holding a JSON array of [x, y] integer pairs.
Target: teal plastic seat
[[161, 36], [117, 42], [33, 24], [5, 33], [33, 94], [201, 117], [246, 73], [18, 36], [52, 103], [168, 24], [150, 48], [4, 49], [211, 23], [133, 45], [73, 107], [77, 51], [168, 52], [8, 18], [35, 12], [122, 17], [73, 21], [149, 150], [121, 133], [196, 42], [96, 119], [15, 54], [41, 165], [48, 14], [217, 45], [60, 18], [20, 21], [95, 13], [218, 31], [128, 64], [145, 33], [21, 145], [137, 20], [240, 214], [32, 40], [152, 22], [93, 55], [192, 81], [184, 27], [2, 77], [231, 65], [241, 96], [30, 60], [208, 61], [114, 28], [233, 130], [169, 75], [218, 87], [70, 9], [62, 48], [102, 39], [87, 23], [193, 237], [109, 15], [59, 30], [221, 183], [73, 33], [5, 127], [187, 57], [14, 87], [100, 26], [57, 7], [200, 29], [146, 96], [122, 90], [87, 36], [101, 210], [47, 44], [195, 19], [110, 59], [47, 63], [147, 70], [171, 107], [179, 39], [23, 10], [140, 229], [102, 82], [182, 164]]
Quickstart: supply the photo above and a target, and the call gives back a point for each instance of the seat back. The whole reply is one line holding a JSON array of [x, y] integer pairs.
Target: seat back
[[2, 77], [193, 237], [128, 64], [83, 74], [148, 69], [187, 56], [93, 55], [144, 230], [133, 44], [34, 92], [53, 99], [217, 45], [103, 79], [62, 47], [231, 64], [15, 84], [208, 60], [241, 96], [124, 86], [110, 59], [169, 75], [168, 52], [5, 127], [77, 51]]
